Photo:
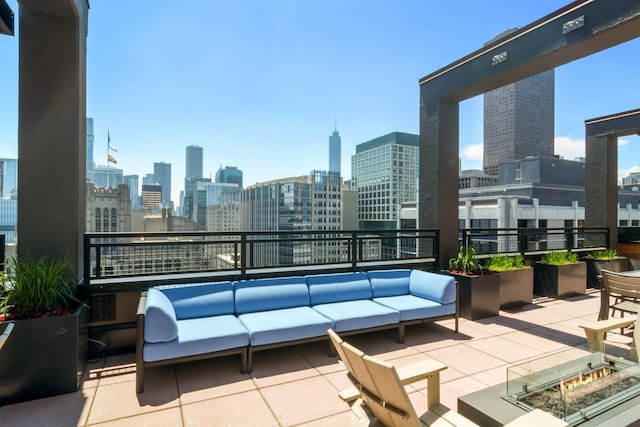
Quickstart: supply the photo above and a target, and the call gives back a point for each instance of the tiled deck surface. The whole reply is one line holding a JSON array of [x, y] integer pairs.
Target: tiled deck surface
[[298, 385]]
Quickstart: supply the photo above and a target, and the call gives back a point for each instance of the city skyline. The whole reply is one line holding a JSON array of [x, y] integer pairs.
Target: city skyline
[[259, 85]]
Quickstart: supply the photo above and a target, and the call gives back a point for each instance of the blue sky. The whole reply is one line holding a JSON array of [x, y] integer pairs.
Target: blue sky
[[259, 84]]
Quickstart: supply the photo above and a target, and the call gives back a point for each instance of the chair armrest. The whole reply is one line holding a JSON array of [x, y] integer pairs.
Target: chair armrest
[[595, 330], [408, 375]]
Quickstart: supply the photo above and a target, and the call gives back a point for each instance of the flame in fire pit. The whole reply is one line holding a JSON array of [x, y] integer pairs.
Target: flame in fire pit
[[583, 379]]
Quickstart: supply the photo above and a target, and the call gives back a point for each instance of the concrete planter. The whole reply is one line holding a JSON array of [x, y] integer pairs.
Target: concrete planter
[[43, 357], [479, 296], [560, 281], [516, 287]]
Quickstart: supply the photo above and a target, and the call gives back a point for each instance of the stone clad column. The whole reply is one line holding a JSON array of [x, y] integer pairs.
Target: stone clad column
[[51, 128]]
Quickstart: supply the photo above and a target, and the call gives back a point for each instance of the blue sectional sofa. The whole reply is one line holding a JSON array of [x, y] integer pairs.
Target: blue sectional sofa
[[178, 323]]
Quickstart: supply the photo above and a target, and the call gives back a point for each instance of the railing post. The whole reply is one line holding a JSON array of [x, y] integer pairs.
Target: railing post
[[354, 252], [243, 253], [2, 251], [86, 260]]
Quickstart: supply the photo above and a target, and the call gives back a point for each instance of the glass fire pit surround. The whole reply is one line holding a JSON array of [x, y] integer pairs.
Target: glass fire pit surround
[[574, 385]]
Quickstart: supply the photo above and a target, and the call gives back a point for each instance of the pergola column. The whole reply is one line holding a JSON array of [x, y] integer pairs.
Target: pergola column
[[51, 128], [577, 30]]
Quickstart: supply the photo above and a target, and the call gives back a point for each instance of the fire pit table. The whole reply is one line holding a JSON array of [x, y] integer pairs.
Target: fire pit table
[[575, 385]]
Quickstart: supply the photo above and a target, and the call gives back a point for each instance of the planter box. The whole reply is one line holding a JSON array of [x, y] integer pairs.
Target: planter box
[[595, 265], [479, 296], [43, 357], [559, 281], [516, 287]]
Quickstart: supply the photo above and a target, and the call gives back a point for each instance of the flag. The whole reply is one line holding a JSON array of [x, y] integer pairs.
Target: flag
[[112, 159], [109, 142]]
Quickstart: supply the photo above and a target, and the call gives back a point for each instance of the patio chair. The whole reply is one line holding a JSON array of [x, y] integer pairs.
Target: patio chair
[[428, 369], [624, 289], [596, 332], [382, 391]]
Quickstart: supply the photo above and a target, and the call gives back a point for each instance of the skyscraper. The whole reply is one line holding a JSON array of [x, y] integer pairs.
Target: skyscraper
[[8, 178], [335, 143], [519, 121], [385, 174], [132, 182], [90, 163], [162, 174], [229, 175], [194, 162]]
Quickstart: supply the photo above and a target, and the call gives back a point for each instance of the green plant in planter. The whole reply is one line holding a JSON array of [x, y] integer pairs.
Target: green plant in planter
[[505, 262], [604, 254], [465, 262], [36, 287], [559, 258]]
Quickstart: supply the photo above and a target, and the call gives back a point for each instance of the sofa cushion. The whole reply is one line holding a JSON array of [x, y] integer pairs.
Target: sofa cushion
[[287, 324], [412, 307], [200, 299], [328, 288], [360, 314], [436, 287], [200, 336], [160, 323], [385, 283], [270, 294]]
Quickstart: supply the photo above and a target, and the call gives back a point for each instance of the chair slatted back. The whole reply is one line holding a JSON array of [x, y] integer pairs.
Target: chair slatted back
[[621, 284], [392, 405]]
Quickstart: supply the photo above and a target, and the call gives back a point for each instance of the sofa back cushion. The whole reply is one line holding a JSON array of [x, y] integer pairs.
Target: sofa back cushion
[[270, 294], [160, 323], [435, 287], [389, 283], [328, 288], [200, 299]]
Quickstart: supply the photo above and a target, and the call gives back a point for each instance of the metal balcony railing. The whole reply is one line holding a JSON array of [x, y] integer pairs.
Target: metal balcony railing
[[110, 256], [531, 241]]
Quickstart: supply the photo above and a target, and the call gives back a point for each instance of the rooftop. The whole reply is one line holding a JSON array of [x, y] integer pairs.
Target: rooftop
[[298, 385]]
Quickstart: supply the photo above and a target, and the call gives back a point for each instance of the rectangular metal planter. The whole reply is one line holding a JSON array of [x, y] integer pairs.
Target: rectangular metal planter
[[516, 287], [479, 295], [595, 265], [43, 357], [559, 281]]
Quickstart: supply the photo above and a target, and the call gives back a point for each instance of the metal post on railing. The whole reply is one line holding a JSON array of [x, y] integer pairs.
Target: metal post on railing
[[243, 253], [354, 252], [2, 251], [86, 261]]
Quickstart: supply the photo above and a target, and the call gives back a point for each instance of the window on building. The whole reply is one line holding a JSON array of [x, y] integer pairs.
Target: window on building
[[98, 220]]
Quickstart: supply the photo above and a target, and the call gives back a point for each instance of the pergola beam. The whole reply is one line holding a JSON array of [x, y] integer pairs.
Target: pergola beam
[[577, 30]]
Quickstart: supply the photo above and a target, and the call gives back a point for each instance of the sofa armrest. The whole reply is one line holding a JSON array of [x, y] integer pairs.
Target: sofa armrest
[[140, 343]]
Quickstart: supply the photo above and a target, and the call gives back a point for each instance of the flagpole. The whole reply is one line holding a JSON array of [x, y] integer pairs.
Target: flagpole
[[108, 166]]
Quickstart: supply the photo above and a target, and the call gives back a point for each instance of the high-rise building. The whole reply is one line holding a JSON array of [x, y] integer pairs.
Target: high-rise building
[[149, 179], [194, 162], [162, 175], [298, 204], [151, 197], [134, 195], [385, 173], [89, 148], [223, 207], [335, 143], [519, 121], [229, 175], [8, 178], [105, 176], [195, 200]]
